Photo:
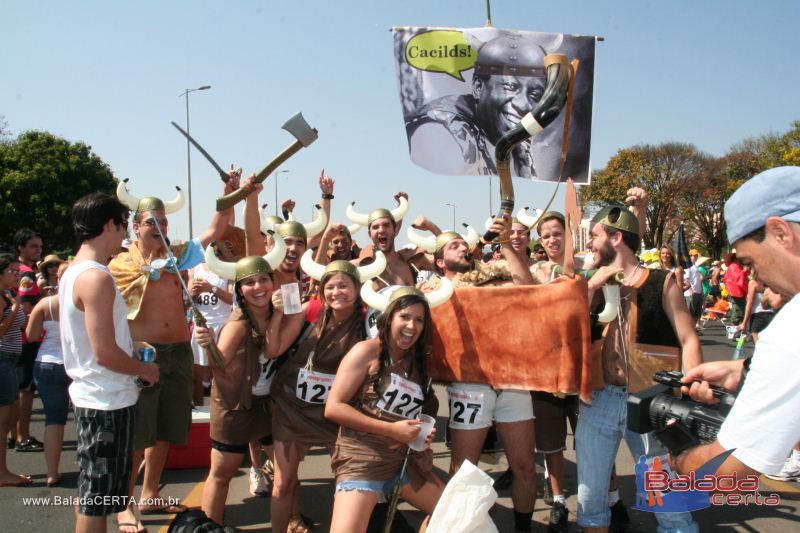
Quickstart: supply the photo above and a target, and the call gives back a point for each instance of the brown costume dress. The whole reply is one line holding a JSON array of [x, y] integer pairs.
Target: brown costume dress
[[237, 417], [361, 456], [296, 420]]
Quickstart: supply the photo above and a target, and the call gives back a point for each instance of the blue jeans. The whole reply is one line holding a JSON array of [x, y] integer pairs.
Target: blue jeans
[[601, 427], [53, 384], [9, 384]]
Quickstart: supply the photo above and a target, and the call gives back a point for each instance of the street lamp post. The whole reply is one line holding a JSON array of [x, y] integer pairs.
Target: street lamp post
[[454, 215], [185, 94], [277, 174]]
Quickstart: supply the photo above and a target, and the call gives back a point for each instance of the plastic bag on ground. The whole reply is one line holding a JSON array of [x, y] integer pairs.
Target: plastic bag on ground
[[465, 503]]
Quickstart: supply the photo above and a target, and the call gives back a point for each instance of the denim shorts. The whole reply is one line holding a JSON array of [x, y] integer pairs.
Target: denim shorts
[[53, 384], [382, 488], [9, 384]]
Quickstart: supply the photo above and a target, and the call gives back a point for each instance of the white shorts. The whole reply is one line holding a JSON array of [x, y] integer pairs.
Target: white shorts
[[200, 355], [474, 406]]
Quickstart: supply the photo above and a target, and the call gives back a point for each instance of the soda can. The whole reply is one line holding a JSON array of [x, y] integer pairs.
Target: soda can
[[146, 354]]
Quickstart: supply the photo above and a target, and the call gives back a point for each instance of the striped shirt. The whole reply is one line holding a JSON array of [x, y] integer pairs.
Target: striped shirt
[[11, 342]]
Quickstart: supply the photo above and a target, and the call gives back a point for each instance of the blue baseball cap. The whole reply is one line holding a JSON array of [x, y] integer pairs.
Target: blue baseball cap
[[773, 193]]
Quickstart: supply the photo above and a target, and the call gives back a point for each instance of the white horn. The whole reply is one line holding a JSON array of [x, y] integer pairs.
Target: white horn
[[427, 243], [219, 267], [355, 217], [319, 223], [400, 211], [311, 267], [528, 220], [373, 299], [611, 295], [278, 252], [291, 217], [488, 224], [471, 237], [374, 269], [353, 228], [125, 197], [176, 204], [440, 295]]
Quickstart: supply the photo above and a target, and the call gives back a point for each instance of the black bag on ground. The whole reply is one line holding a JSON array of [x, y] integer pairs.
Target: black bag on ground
[[196, 521]]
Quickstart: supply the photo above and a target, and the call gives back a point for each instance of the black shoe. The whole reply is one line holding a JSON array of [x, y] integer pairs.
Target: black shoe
[[12, 442], [30, 445], [558, 518], [547, 492], [504, 481], [619, 518]]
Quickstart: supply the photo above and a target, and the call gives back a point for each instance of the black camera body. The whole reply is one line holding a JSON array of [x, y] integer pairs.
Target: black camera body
[[677, 422]]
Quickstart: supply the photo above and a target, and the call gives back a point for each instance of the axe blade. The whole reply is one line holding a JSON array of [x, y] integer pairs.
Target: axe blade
[[298, 127]]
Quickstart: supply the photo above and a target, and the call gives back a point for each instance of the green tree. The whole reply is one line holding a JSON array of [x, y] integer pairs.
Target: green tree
[[41, 176], [665, 171]]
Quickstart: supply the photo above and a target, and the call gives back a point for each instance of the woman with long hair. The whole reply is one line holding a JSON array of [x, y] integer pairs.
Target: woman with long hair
[[249, 345], [666, 256], [301, 384], [12, 320], [50, 377], [375, 430]]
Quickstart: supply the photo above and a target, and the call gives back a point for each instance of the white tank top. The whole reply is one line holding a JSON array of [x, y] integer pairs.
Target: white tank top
[[50, 349], [93, 386]]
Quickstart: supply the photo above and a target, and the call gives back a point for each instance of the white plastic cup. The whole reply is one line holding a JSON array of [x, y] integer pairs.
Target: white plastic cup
[[425, 429], [290, 294]]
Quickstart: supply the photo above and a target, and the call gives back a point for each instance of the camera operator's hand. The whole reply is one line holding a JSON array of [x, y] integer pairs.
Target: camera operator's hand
[[724, 373]]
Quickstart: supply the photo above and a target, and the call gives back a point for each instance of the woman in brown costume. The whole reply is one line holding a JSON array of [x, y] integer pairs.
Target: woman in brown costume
[[302, 382], [376, 424], [249, 343]]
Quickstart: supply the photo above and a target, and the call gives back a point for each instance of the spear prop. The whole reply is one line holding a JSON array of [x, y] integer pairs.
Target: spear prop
[[199, 319]]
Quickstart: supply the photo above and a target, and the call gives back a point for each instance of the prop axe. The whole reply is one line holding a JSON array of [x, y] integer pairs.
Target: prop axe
[[304, 134], [222, 174]]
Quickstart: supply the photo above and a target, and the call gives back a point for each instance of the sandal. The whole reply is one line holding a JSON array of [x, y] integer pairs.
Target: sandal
[[300, 524]]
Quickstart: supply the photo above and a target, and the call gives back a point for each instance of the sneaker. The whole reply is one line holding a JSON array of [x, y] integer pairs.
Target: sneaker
[[30, 445], [258, 483], [789, 472], [547, 492], [558, 518], [619, 518]]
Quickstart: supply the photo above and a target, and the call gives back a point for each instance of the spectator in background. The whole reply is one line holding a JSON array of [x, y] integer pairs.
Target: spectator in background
[[693, 285], [539, 253], [666, 257], [29, 249], [735, 280], [47, 279]]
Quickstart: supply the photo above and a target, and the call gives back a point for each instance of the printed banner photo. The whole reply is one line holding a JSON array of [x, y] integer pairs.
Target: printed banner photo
[[462, 89]]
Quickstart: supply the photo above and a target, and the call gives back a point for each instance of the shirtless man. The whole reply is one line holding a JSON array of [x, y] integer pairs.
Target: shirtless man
[[512, 410], [401, 266], [156, 314]]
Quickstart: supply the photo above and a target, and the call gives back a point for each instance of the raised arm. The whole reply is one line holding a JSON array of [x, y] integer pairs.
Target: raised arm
[[520, 272]]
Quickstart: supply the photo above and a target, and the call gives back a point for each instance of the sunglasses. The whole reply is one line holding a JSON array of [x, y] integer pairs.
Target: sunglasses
[[12, 271]]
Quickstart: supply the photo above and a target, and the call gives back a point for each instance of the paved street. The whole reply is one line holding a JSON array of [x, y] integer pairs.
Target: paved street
[[252, 514]]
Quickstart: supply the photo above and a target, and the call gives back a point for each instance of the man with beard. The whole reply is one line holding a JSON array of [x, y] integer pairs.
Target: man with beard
[[511, 410], [653, 312], [402, 266], [508, 81]]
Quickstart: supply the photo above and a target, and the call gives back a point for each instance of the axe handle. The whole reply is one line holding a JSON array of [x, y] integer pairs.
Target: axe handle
[[226, 202]]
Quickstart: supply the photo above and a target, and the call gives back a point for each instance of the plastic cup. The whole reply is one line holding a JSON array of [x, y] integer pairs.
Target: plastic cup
[[290, 294], [425, 429]]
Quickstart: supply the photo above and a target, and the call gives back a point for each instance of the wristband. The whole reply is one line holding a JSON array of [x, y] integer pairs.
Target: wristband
[[326, 196]]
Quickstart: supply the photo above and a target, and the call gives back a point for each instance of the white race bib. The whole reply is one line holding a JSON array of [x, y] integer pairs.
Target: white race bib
[[466, 407], [313, 387], [267, 370], [402, 397]]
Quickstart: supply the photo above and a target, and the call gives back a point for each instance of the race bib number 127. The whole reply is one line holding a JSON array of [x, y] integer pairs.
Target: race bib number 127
[[402, 397], [313, 387]]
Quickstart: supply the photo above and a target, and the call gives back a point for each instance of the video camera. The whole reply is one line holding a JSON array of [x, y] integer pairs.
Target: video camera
[[677, 422]]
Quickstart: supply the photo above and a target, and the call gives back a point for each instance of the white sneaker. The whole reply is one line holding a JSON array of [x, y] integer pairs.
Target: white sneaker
[[258, 484], [268, 470], [789, 472]]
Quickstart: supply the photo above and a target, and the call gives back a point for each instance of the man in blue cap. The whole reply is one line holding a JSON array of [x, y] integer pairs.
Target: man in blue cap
[[763, 220]]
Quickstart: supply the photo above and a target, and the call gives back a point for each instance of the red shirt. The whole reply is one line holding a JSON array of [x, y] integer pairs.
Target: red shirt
[[735, 281]]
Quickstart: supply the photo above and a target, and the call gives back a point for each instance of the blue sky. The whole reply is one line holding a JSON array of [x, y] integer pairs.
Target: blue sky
[[109, 74]]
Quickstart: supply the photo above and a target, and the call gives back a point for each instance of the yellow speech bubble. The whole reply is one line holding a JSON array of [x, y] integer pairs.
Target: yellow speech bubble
[[444, 51]]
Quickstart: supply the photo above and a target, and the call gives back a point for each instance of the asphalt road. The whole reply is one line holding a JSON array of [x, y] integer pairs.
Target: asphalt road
[[252, 514]]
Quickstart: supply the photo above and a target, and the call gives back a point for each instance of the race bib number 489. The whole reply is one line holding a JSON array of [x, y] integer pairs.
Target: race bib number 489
[[313, 387], [402, 397]]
